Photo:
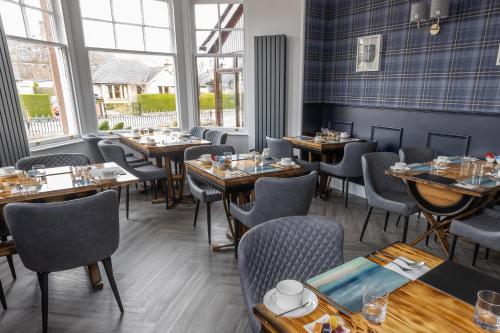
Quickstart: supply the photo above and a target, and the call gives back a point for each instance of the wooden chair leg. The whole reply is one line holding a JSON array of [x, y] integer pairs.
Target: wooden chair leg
[[108, 267], [43, 280], [11, 266], [452, 247], [367, 219], [405, 229], [2, 297], [346, 192], [127, 200], [487, 254], [196, 212], [387, 214], [155, 190], [209, 224], [474, 257]]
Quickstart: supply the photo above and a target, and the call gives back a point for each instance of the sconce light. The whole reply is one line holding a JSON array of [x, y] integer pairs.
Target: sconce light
[[420, 13]]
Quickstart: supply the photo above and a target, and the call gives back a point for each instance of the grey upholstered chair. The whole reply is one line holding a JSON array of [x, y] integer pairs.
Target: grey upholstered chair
[[48, 239], [52, 161], [200, 191], [350, 166], [410, 155], [216, 137], [92, 141], [281, 148], [7, 249], [147, 173], [385, 192], [274, 198], [297, 247], [482, 230], [198, 131]]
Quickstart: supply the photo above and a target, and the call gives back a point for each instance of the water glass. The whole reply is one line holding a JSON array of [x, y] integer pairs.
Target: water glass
[[487, 311], [228, 159], [319, 137], [375, 301], [258, 159]]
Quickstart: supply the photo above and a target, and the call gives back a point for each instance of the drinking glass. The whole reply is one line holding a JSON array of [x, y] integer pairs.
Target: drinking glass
[[375, 303], [318, 137], [228, 159], [258, 159], [487, 311]]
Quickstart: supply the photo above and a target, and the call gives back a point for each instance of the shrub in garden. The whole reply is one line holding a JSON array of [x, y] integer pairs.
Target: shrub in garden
[[104, 126], [36, 105]]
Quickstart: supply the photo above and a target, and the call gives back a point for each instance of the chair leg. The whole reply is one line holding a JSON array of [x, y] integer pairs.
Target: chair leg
[[127, 200], [474, 257], [196, 212], [397, 222], [209, 224], [11, 266], [155, 190], [108, 267], [452, 247], [419, 214], [236, 237], [405, 229], [487, 254], [343, 185], [346, 192], [387, 214], [43, 280], [165, 192], [146, 190], [367, 219], [2, 297]]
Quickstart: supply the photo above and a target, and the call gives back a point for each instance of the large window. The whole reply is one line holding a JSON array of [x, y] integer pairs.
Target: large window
[[219, 57], [131, 56], [38, 53]]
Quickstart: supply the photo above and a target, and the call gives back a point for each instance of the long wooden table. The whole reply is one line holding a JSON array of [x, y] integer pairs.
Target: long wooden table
[[166, 148], [59, 184], [449, 201], [237, 182], [415, 307]]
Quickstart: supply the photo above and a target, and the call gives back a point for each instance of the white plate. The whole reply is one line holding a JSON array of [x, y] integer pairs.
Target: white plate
[[286, 165], [393, 168], [308, 296]]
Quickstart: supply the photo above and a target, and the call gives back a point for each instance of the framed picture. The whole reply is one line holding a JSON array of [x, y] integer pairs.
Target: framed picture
[[498, 56], [368, 53]]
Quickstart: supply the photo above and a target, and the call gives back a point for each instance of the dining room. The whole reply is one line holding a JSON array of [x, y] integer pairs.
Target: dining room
[[321, 166]]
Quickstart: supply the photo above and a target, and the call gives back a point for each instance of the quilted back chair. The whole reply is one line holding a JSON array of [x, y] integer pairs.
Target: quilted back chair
[[195, 152], [92, 140], [411, 155], [280, 148], [198, 131], [52, 161], [270, 253], [216, 137], [114, 153]]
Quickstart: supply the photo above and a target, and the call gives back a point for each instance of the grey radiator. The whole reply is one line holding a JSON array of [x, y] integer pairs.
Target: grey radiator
[[270, 88]]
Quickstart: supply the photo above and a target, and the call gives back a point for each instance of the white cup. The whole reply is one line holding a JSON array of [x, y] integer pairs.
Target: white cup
[[344, 135], [206, 157], [288, 295], [9, 170], [286, 161], [442, 159], [266, 153], [400, 166]]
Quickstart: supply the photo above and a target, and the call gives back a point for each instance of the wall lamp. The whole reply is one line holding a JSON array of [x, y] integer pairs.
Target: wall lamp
[[420, 13]]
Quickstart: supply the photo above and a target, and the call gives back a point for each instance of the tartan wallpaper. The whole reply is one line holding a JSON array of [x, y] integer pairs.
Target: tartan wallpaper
[[453, 71]]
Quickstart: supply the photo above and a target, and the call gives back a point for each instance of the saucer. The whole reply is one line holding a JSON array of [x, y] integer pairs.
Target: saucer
[[308, 296], [286, 165]]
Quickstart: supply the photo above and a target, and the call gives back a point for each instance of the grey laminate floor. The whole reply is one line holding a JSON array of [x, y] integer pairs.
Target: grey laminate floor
[[168, 278]]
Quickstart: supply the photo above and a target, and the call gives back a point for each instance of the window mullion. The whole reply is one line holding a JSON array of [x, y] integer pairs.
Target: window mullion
[[113, 22], [143, 26], [25, 19]]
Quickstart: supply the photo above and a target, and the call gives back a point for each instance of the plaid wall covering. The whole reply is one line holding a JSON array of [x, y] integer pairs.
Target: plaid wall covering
[[455, 70]]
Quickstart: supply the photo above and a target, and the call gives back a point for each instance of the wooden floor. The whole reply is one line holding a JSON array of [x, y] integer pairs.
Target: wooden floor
[[168, 278]]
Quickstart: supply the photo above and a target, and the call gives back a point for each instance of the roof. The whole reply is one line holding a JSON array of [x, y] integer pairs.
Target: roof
[[123, 71]]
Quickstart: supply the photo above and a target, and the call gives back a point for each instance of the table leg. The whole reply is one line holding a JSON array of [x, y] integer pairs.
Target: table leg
[[216, 247], [437, 229], [95, 276]]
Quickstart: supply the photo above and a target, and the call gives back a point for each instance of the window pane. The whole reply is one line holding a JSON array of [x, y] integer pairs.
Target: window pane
[[44, 90], [129, 37], [158, 40], [42, 4], [98, 34], [232, 16], [12, 19], [128, 11], [40, 25], [232, 41], [99, 9], [156, 13], [207, 41], [126, 89], [207, 16]]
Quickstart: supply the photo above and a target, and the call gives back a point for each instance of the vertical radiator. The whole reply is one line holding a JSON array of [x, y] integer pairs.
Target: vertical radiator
[[13, 140], [270, 88]]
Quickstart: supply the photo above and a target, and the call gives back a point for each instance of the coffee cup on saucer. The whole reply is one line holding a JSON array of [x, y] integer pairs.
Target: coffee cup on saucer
[[400, 166], [442, 159], [286, 161], [288, 294]]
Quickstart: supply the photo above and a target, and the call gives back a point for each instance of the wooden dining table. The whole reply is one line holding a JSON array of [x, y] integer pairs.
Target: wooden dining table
[[165, 147], [60, 184], [415, 307], [326, 149], [461, 188], [237, 182]]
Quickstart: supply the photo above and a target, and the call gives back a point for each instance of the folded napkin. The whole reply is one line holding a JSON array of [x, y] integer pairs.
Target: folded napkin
[[466, 186], [412, 275], [100, 172]]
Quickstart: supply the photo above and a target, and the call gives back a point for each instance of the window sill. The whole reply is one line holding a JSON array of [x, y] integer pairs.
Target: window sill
[[47, 146]]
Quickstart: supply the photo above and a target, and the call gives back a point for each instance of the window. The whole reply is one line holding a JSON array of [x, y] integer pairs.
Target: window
[[219, 57], [132, 62], [38, 52]]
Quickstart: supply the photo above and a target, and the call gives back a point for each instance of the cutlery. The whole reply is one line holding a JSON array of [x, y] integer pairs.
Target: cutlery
[[305, 305], [410, 263], [404, 269]]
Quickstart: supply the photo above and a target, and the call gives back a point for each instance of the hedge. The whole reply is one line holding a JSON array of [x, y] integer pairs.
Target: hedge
[[166, 102], [36, 105]]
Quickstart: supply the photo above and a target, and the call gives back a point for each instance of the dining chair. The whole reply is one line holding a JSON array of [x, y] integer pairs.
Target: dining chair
[[385, 192], [198, 131], [203, 192], [216, 137], [147, 173], [482, 229], [410, 155], [295, 247], [275, 198], [281, 148], [349, 167], [52, 161], [7, 249], [92, 141], [48, 239]]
